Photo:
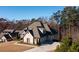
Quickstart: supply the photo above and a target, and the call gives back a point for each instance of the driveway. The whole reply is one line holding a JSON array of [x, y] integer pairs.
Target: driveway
[[44, 48]]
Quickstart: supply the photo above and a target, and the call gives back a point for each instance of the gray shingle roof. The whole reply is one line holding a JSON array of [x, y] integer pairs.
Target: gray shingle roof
[[46, 27], [36, 33], [35, 27]]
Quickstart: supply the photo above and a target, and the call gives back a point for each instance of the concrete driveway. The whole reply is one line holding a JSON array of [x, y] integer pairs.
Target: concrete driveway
[[44, 48]]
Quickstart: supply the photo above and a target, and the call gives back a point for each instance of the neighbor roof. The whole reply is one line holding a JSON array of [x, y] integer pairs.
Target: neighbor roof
[[7, 36], [8, 30]]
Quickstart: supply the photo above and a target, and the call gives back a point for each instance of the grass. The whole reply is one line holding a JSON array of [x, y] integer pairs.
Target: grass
[[21, 42], [11, 47]]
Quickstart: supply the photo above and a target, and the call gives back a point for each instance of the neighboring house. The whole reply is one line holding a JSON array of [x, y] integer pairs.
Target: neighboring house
[[2, 37], [5, 37], [13, 33], [8, 30], [9, 35], [38, 33]]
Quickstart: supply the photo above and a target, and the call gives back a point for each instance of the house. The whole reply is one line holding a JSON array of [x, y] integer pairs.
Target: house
[[14, 33], [22, 33], [9, 35], [5, 37], [38, 33], [2, 37], [8, 30]]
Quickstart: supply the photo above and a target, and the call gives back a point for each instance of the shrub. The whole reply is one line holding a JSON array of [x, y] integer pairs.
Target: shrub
[[74, 47], [68, 46], [65, 45]]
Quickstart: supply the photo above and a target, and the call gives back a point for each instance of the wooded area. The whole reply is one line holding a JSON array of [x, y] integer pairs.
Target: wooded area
[[68, 29]]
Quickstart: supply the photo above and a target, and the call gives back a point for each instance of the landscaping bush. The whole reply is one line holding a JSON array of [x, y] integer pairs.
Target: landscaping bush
[[68, 46]]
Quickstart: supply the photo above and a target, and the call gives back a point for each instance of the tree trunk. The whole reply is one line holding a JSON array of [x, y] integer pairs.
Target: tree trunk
[[69, 30]]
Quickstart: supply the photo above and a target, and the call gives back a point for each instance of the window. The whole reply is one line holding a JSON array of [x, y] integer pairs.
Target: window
[[28, 40]]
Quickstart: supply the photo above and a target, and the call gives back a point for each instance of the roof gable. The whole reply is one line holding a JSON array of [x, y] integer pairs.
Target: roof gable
[[38, 29]]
